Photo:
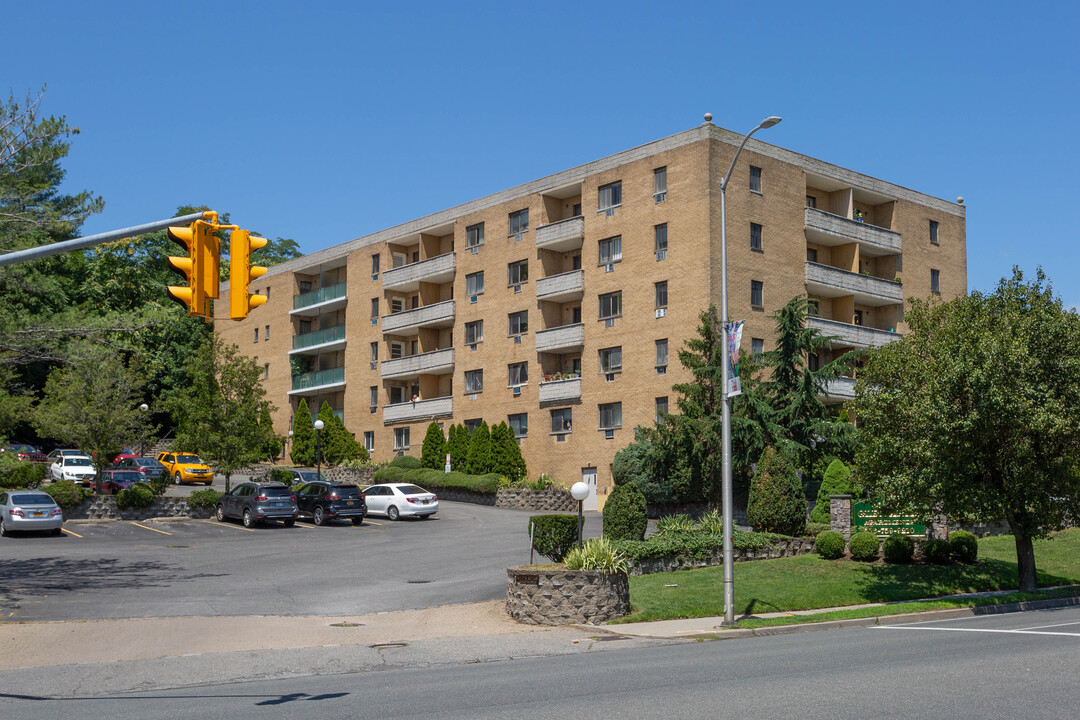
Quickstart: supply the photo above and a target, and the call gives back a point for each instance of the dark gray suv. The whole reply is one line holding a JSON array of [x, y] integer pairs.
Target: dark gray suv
[[255, 503]]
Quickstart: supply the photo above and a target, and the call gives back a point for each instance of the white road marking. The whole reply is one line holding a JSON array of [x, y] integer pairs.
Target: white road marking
[[975, 630]]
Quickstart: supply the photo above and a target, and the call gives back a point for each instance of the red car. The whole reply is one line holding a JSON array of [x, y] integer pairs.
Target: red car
[[114, 480], [25, 452]]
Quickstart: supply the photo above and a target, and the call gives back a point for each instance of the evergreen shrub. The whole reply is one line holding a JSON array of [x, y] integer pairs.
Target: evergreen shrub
[[963, 547], [433, 452], [829, 544], [936, 551], [813, 529], [66, 493], [837, 481], [20, 474], [390, 474], [406, 462], [696, 545], [898, 549], [776, 503], [553, 535], [138, 496], [207, 498], [625, 514], [478, 460], [864, 546]]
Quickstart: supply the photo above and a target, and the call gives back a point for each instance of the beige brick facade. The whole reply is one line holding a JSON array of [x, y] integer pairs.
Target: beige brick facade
[[861, 236]]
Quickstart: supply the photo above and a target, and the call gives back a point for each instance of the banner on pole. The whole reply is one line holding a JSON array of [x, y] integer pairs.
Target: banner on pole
[[734, 339]]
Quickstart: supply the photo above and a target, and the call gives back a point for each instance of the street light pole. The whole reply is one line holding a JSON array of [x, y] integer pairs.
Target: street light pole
[[319, 425], [579, 491], [142, 445], [726, 492]]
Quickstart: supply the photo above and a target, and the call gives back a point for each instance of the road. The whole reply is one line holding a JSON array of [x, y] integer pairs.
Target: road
[[1015, 665]]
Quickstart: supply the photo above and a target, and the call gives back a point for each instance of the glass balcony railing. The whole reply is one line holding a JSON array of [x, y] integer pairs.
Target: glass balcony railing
[[339, 413], [319, 337], [318, 379], [330, 292]]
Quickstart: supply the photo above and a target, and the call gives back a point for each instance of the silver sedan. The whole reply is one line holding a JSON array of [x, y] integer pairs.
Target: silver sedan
[[29, 510], [395, 500]]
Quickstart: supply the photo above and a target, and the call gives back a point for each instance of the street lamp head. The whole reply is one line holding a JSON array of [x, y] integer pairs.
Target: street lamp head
[[770, 121], [144, 407], [579, 491], [319, 424], [290, 433]]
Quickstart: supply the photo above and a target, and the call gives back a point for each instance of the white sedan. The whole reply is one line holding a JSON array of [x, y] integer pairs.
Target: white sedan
[[396, 500], [77, 468]]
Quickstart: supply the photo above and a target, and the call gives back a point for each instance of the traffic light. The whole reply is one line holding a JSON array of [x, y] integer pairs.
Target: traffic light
[[241, 245], [197, 268]]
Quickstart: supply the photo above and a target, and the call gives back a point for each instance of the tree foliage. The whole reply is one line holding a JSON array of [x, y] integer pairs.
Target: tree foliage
[[338, 444], [975, 413], [776, 502], [837, 481], [506, 459], [458, 447], [478, 461], [302, 450], [433, 452]]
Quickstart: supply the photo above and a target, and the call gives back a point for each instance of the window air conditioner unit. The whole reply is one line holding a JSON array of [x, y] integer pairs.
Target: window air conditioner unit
[[472, 298], [609, 434], [474, 249], [374, 321], [517, 391], [661, 312], [560, 438], [473, 396], [517, 339], [517, 288], [374, 365], [610, 322], [472, 346], [374, 409], [661, 254], [517, 237], [609, 377], [661, 370], [609, 212], [374, 276], [660, 197], [610, 267]]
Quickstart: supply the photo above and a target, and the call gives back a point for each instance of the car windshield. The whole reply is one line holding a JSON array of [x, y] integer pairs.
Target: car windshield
[[307, 476], [189, 459], [36, 499], [411, 490], [276, 491], [21, 448], [126, 477], [78, 461], [147, 462], [346, 491]]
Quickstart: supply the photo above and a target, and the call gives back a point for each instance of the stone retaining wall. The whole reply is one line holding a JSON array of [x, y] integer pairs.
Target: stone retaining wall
[[781, 548], [466, 496], [553, 501], [103, 507], [565, 597]]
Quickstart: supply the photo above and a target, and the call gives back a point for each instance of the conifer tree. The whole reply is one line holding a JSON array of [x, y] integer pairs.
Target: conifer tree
[[458, 447], [506, 455], [777, 503], [478, 461], [302, 451], [433, 453]]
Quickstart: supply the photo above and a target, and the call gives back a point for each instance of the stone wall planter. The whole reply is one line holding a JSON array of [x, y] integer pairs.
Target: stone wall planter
[[782, 548], [554, 500], [103, 507], [565, 597]]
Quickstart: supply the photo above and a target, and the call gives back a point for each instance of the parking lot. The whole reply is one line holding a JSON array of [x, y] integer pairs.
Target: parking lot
[[127, 569]]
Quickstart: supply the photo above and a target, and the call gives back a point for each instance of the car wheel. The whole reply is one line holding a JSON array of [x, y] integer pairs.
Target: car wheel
[[288, 522], [392, 513], [318, 516], [178, 479], [424, 517], [358, 521], [220, 513], [249, 519], [57, 531], [3, 529]]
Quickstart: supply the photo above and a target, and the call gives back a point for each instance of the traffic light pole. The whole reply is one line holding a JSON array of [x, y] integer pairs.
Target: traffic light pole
[[92, 240]]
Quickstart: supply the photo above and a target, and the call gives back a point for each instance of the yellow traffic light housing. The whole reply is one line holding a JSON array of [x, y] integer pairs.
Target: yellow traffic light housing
[[241, 273], [199, 269]]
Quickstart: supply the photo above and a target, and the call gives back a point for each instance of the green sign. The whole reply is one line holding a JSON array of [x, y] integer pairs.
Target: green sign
[[868, 516]]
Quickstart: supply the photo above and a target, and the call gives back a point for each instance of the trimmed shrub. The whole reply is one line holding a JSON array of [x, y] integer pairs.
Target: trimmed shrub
[[936, 551], [898, 549], [138, 496], [390, 474], [457, 445], [433, 452], [694, 545], [625, 514], [837, 481], [506, 456], [776, 502], [207, 498], [406, 462], [478, 460], [21, 475], [280, 475], [829, 544], [814, 529], [553, 535], [596, 554], [864, 546], [963, 547], [66, 493]]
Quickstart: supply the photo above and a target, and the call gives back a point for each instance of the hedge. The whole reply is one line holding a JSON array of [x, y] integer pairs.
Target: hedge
[[553, 535], [434, 479], [66, 493], [21, 475], [694, 544], [139, 495], [204, 498], [407, 462]]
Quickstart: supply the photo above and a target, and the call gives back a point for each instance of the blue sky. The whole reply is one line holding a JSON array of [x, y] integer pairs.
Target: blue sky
[[330, 121]]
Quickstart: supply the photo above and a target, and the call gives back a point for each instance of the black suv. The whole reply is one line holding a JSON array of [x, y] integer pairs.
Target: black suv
[[255, 503], [325, 501]]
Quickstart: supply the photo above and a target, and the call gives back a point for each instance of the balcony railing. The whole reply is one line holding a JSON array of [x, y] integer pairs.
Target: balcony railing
[[562, 287], [828, 229], [562, 235], [436, 270], [317, 297], [556, 390], [851, 335], [438, 362], [868, 290], [409, 322], [319, 337], [435, 407], [565, 339], [322, 378], [339, 413], [841, 388]]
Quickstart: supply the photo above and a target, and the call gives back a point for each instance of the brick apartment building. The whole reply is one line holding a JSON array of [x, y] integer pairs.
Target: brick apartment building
[[559, 305]]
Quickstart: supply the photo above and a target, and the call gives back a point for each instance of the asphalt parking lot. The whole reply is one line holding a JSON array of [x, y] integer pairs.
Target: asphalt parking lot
[[124, 569]]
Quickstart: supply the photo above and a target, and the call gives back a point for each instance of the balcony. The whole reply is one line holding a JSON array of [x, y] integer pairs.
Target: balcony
[[311, 383], [332, 338], [419, 410], [339, 413], [831, 282], [409, 322], [564, 287], [562, 235], [565, 339], [436, 270], [849, 335], [330, 297], [560, 390], [827, 229], [840, 389], [438, 362]]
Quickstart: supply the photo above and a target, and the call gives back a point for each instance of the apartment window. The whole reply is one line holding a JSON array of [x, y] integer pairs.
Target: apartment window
[[562, 420], [374, 396], [757, 347], [266, 371], [812, 308], [473, 424], [267, 293], [305, 286], [305, 327], [519, 222], [474, 381], [933, 232], [609, 197], [398, 394], [474, 235], [374, 308], [611, 360], [757, 290], [518, 373], [755, 237], [813, 362], [374, 352], [660, 238], [375, 261], [518, 323], [858, 317], [399, 259], [266, 334], [611, 305], [517, 272], [369, 441], [811, 201], [611, 250], [661, 410], [659, 181], [811, 254], [661, 354], [401, 438], [610, 416], [474, 332], [519, 423], [935, 287], [474, 283], [661, 293], [257, 333], [397, 350], [755, 179]]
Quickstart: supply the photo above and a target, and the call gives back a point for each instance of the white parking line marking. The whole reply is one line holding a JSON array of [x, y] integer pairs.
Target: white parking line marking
[[144, 527], [975, 630], [1043, 627]]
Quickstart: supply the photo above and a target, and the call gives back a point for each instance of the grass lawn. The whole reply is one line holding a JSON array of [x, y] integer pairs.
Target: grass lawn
[[807, 581]]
